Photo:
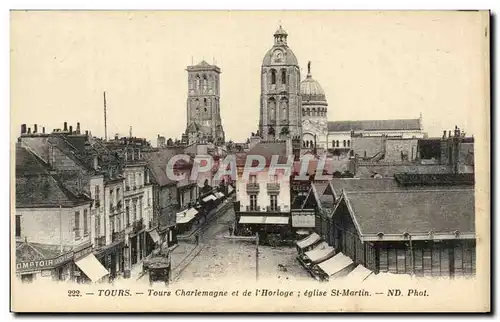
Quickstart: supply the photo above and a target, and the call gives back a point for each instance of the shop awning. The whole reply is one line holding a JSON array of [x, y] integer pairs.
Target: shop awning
[[219, 195], [308, 241], [359, 274], [154, 235], [335, 264], [186, 216], [208, 198], [92, 267], [271, 220], [320, 253], [277, 220], [252, 220]]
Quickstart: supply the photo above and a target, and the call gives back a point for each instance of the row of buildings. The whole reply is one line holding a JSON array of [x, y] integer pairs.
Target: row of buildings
[[88, 208]]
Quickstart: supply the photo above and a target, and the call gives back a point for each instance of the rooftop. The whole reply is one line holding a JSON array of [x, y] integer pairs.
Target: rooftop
[[415, 212], [374, 125]]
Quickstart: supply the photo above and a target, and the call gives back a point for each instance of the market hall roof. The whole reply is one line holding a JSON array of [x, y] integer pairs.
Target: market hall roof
[[419, 213], [375, 125]]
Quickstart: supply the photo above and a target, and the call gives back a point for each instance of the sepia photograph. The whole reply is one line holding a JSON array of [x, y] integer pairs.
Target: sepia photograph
[[250, 161]]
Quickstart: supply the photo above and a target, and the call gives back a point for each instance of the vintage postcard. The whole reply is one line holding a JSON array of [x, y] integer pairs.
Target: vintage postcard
[[250, 161]]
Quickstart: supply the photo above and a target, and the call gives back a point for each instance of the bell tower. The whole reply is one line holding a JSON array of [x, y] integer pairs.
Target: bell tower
[[280, 100], [203, 102]]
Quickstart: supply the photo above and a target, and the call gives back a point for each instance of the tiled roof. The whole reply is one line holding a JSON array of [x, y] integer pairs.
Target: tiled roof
[[441, 211], [28, 164], [37, 187], [42, 191], [157, 163], [374, 125], [267, 150], [434, 179], [382, 184]]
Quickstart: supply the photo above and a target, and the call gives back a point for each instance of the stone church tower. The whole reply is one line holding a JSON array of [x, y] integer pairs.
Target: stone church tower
[[280, 100], [203, 104]]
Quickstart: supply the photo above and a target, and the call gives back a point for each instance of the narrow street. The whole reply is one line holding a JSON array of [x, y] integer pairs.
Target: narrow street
[[224, 257]]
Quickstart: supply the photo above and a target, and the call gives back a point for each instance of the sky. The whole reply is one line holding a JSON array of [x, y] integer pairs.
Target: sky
[[371, 65]]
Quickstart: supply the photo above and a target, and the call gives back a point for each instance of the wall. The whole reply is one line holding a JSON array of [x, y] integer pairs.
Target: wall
[[365, 169], [370, 145], [44, 225], [263, 199], [340, 136], [96, 212], [394, 147]]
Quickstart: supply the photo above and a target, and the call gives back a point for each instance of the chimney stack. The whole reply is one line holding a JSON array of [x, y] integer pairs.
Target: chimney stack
[[449, 134], [444, 134], [29, 130], [35, 128], [96, 163], [65, 127], [43, 129], [70, 129], [78, 128], [23, 128]]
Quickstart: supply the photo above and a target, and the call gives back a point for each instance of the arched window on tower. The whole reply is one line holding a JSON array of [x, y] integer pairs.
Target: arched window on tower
[[349, 143], [283, 76], [345, 144], [205, 102], [337, 143], [313, 112], [272, 111], [311, 144], [205, 83], [308, 112], [284, 110], [273, 76], [303, 112], [197, 83]]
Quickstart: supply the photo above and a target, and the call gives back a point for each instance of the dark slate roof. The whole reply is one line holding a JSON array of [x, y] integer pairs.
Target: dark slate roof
[[388, 212], [410, 179], [36, 186], [383, 184], [157, 164], [267, 150], [80, 157], [28, 164], [374, 125], [42, 191]]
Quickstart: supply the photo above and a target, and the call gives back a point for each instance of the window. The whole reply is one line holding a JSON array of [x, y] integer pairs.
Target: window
[[253, 202], [274, 202], [117, 195], [273, 179], [149, 201], [337, 143], [283, 76], [344, 143], [140, 179], [77, 224], [348, 143], [205, 101], [127, 215], [98, 226], [112, 223], [133, 180], [134, 210], [140, 209], [18, 226], [97, 193], [253, 178], [85, 222], [273, 76], [313, 113], [111, 198]]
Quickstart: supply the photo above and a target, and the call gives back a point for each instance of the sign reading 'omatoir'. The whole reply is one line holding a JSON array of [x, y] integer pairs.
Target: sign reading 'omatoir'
[[43, 263]]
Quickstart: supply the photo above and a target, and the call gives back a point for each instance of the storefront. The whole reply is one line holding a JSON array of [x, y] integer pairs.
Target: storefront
[[32, 265], [303, 222]]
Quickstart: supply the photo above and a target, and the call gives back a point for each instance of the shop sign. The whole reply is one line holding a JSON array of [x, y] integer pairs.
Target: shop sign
[[83, 252], [41, 264], [303, 219]]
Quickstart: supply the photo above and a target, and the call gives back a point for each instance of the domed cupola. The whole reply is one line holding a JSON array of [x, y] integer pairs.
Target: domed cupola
[[311, 91], [280, 53]]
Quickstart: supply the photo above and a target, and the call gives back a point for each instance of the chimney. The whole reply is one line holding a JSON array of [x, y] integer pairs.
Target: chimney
[[65, 127], [70, 129], [29, 130], [35, 128], [96, 163], [78, 128], [444, 134], [23, 128], [449, 134], [43, 129]]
